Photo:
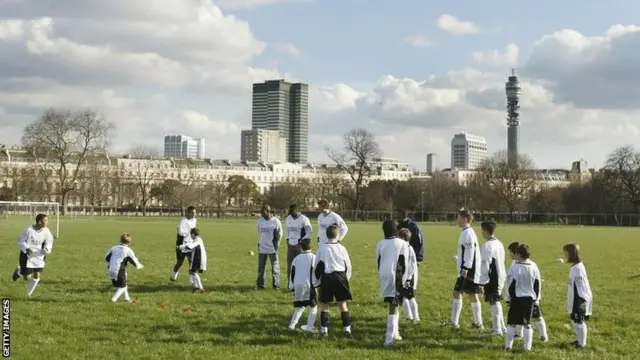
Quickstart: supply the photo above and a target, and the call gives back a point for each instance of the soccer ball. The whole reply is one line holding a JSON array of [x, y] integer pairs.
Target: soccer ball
[[454, 258], [251, 253], [560, 260]]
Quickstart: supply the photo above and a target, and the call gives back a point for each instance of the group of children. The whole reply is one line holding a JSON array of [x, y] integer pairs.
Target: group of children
[[482, 270], [326, 275]]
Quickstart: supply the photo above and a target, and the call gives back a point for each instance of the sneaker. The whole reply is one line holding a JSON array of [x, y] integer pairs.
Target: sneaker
[[454, 326], [477, 326], [291, 327], [397, 337], [348, 334], [496, 333], [15, 276], [308, 329], [199, 291], [324, 332], [544, 339], [507, 349]]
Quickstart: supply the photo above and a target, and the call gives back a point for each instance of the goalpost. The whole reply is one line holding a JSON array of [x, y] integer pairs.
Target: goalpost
[[29, 210]]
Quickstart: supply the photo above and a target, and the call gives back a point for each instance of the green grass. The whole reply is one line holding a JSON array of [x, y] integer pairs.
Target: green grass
[[70, 316]]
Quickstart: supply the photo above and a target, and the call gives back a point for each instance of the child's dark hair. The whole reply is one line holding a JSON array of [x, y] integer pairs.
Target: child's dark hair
[[404, 234], [573, 252], [305, 244], [333, 232], [523, 251], [195, 232], [125, 239], [513, 247], [489, 226], [390, 228]]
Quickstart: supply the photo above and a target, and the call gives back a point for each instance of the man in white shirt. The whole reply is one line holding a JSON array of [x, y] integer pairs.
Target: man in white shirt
[[35, 243], [183, 238], [269, 237], [298, 228], [328, 218]]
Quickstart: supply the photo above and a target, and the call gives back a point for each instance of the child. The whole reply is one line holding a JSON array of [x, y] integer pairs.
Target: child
[[493, 274], [198, 259], [117, 259], [392, 256], [409, 302], [537, 309], [35, 244], [468, 267], [332, 272], [512, 253], [579, 297], [523, 291], [304, 294]]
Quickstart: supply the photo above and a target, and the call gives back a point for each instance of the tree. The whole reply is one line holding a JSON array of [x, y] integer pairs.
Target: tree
[[96, 180], [67, 138], [359, 151], [144, 173], [510, 184], [378, 195], [280, 196], [622, 172], [242, 191], [546, 200], [330, 185]]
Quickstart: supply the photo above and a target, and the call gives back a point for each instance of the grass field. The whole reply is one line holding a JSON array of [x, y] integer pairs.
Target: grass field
[[71, 317]]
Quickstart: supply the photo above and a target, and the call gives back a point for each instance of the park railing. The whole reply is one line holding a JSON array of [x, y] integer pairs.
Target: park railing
[[351, 215]]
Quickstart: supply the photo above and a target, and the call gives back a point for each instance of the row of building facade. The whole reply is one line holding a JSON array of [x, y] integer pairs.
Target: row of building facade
[[120, 176]]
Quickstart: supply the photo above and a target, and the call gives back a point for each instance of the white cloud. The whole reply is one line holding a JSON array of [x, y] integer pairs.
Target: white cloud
[[252, 4], [418, 41], [289, 49], [509, 57], [188, 66], [454, 26]]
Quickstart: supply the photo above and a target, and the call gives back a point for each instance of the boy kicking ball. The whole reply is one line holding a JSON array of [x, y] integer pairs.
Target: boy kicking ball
[[300, 282], [117, 259]]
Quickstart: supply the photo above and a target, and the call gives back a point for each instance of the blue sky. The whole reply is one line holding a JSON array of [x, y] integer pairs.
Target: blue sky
[[358, 40]]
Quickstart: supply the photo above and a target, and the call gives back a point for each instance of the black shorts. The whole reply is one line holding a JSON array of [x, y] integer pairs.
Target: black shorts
[[312, 302], [334, 286], [491, 293], [24, 270], [464, 285], [520, 311], [408, 293], [121, 280], [578, 315], [537, 311], [195, 260], [180, 256]]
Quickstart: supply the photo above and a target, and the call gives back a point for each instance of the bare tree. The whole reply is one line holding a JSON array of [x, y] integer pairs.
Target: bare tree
[[280, 196], [511, 184], [359, 150], [622, 172], [95, 181], [145, 171], [67, 138]]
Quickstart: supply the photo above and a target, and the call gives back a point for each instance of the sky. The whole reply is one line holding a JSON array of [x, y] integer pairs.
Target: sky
[[412, 72]]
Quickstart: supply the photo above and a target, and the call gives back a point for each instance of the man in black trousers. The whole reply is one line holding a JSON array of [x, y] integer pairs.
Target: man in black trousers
[[417, 241]]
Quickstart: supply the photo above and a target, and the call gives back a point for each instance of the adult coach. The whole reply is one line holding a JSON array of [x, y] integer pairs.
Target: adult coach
[[183, 237], [417, 241], [298, 228], [326, 219], [269, 236], [35, 244]]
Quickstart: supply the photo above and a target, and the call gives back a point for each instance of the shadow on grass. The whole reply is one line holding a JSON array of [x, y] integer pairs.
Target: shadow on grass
[[151, 288], [633, 277]]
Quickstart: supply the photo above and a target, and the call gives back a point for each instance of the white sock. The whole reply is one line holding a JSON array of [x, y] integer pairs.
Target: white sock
[[496, 317], [197, 282], [413, 304], [32, 286], [502, 324], [542, 328], [528, 337], [407, 309], [508, 339], [519, 330], [311, 319], [18, 271], [396, 327], [476, 307], [390, 329], [117, 295], [174, 276], [456, 309], [297, 313], [581, 334], [126, 294], [192, 280]]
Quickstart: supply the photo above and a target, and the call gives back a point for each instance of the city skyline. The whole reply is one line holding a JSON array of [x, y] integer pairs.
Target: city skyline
[[437, 70]]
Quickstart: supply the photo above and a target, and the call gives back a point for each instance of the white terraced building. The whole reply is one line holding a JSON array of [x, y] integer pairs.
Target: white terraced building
[[116, 176]]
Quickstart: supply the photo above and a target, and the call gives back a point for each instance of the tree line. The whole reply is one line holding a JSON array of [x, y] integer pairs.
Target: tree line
[[73, 140]]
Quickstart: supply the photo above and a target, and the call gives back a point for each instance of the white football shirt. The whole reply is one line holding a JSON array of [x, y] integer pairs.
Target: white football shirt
[[579, 287], [117, 259], [40, 242], [269, 235], [184, 230], [389, 253], [326, 219], [493, 269], [298, 228], [332, 257], [469, 257], [524, 280]]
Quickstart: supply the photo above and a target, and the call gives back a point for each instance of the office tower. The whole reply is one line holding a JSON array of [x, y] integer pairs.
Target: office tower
[[433, 163], [182, 146], [467, 151], [262, 145]]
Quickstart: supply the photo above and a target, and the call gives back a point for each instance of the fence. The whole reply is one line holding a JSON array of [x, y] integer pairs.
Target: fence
[[366, 216]]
